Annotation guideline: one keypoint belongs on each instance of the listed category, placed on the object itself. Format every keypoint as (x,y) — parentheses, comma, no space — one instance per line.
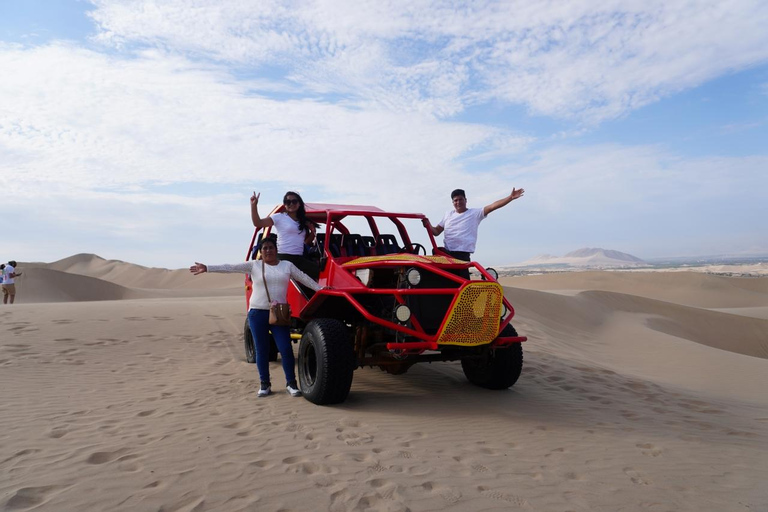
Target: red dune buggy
(392,305)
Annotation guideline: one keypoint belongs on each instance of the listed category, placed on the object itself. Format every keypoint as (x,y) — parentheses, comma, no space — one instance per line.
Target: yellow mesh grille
(474,319)
(445,260)
(404,257)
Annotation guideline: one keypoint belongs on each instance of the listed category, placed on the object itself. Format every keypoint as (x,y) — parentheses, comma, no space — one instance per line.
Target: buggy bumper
(503,342)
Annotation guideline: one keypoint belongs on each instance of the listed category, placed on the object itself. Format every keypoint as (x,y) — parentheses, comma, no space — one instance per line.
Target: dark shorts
(461,255)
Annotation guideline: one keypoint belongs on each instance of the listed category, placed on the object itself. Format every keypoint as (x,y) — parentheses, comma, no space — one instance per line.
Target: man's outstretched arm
(503,201)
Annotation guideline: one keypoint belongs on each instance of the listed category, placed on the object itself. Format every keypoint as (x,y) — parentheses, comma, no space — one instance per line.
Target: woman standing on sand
(277,274)
(294,229)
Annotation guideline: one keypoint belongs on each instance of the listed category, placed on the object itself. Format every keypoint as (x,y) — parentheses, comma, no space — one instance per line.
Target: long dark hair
(301,213)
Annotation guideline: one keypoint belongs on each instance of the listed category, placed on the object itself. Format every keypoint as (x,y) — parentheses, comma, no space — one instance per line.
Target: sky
(138,129)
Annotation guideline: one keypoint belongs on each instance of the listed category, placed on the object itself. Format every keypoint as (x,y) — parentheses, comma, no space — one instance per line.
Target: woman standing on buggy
(294,231)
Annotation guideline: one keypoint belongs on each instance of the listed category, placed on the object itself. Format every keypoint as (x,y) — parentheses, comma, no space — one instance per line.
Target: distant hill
(137,276)
(88,277)
(587,257)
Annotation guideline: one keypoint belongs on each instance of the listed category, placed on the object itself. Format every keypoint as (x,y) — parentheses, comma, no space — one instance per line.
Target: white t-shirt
(460,229)
(289,239)
(277,280)
(7,271)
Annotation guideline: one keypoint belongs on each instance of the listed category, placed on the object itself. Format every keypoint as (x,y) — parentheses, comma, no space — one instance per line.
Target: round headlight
(402,313)
(413,276)
(494,274)
(504,310)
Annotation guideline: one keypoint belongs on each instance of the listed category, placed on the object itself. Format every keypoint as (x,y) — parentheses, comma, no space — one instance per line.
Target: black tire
(499,369)
(250,349)
(326,362)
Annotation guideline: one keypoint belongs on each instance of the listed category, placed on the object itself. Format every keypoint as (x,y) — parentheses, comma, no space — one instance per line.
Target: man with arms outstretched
(460,224)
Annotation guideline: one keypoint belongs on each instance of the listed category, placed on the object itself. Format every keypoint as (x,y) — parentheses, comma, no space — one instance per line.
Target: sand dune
(688,288)
(87,277)
(46,285)
(590,310)
(136,276)
(633,397)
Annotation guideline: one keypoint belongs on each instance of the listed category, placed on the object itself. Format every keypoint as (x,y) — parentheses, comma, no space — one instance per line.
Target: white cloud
(73,117)
(567,59)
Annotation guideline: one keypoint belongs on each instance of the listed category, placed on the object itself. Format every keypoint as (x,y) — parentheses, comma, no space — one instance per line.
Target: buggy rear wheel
(326,362)
(499,368)
(250,348)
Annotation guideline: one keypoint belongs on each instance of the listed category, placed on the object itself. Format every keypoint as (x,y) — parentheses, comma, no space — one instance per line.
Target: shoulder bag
(279,312)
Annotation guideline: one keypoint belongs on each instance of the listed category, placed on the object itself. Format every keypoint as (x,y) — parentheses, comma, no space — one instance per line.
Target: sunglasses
(289,202)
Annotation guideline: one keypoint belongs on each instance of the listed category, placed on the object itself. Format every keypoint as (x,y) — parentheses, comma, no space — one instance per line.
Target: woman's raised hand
(255,198)
(198,268)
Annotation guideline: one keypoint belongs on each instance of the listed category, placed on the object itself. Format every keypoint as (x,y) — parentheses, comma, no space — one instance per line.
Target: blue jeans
(258,321)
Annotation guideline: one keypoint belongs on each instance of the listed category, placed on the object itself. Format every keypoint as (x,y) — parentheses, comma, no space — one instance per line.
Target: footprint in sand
(354,438)
(635,477)
(377,468)
(649,449)
(500,496)
(193,503)
(305,466)
(28,497)
(104,457)
(128,464)
(384,488)
(58,432)
(20,454)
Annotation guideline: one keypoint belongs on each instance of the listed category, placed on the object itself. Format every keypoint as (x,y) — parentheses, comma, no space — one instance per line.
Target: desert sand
(125,388)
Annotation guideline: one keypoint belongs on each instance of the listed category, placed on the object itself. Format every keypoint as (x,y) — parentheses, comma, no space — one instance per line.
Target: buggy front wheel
(499,368)
(326,362)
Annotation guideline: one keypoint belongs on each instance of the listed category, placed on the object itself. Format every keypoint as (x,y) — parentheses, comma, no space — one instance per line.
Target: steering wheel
(416,248)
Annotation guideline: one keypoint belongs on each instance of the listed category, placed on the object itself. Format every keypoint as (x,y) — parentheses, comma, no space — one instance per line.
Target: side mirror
(493,273)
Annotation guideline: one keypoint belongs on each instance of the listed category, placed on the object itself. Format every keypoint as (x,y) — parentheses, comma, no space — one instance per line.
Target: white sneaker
(294,391)
(264,390)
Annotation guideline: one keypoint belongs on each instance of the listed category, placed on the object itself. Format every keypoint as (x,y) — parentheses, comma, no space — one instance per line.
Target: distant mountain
(587,257)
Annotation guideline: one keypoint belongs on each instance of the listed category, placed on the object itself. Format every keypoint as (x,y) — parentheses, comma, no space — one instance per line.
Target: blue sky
(137,130)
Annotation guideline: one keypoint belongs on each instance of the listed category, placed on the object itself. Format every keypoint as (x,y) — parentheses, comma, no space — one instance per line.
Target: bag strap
(269,300)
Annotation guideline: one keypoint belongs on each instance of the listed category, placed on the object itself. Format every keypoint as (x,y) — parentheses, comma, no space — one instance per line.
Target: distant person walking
(274,274)
(460,224)
(293,228)
(9,282)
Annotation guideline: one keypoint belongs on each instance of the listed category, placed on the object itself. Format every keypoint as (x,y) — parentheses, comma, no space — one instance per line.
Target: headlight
(402,313)
(504,310)
(413,276)
(494,274)
(365,275)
